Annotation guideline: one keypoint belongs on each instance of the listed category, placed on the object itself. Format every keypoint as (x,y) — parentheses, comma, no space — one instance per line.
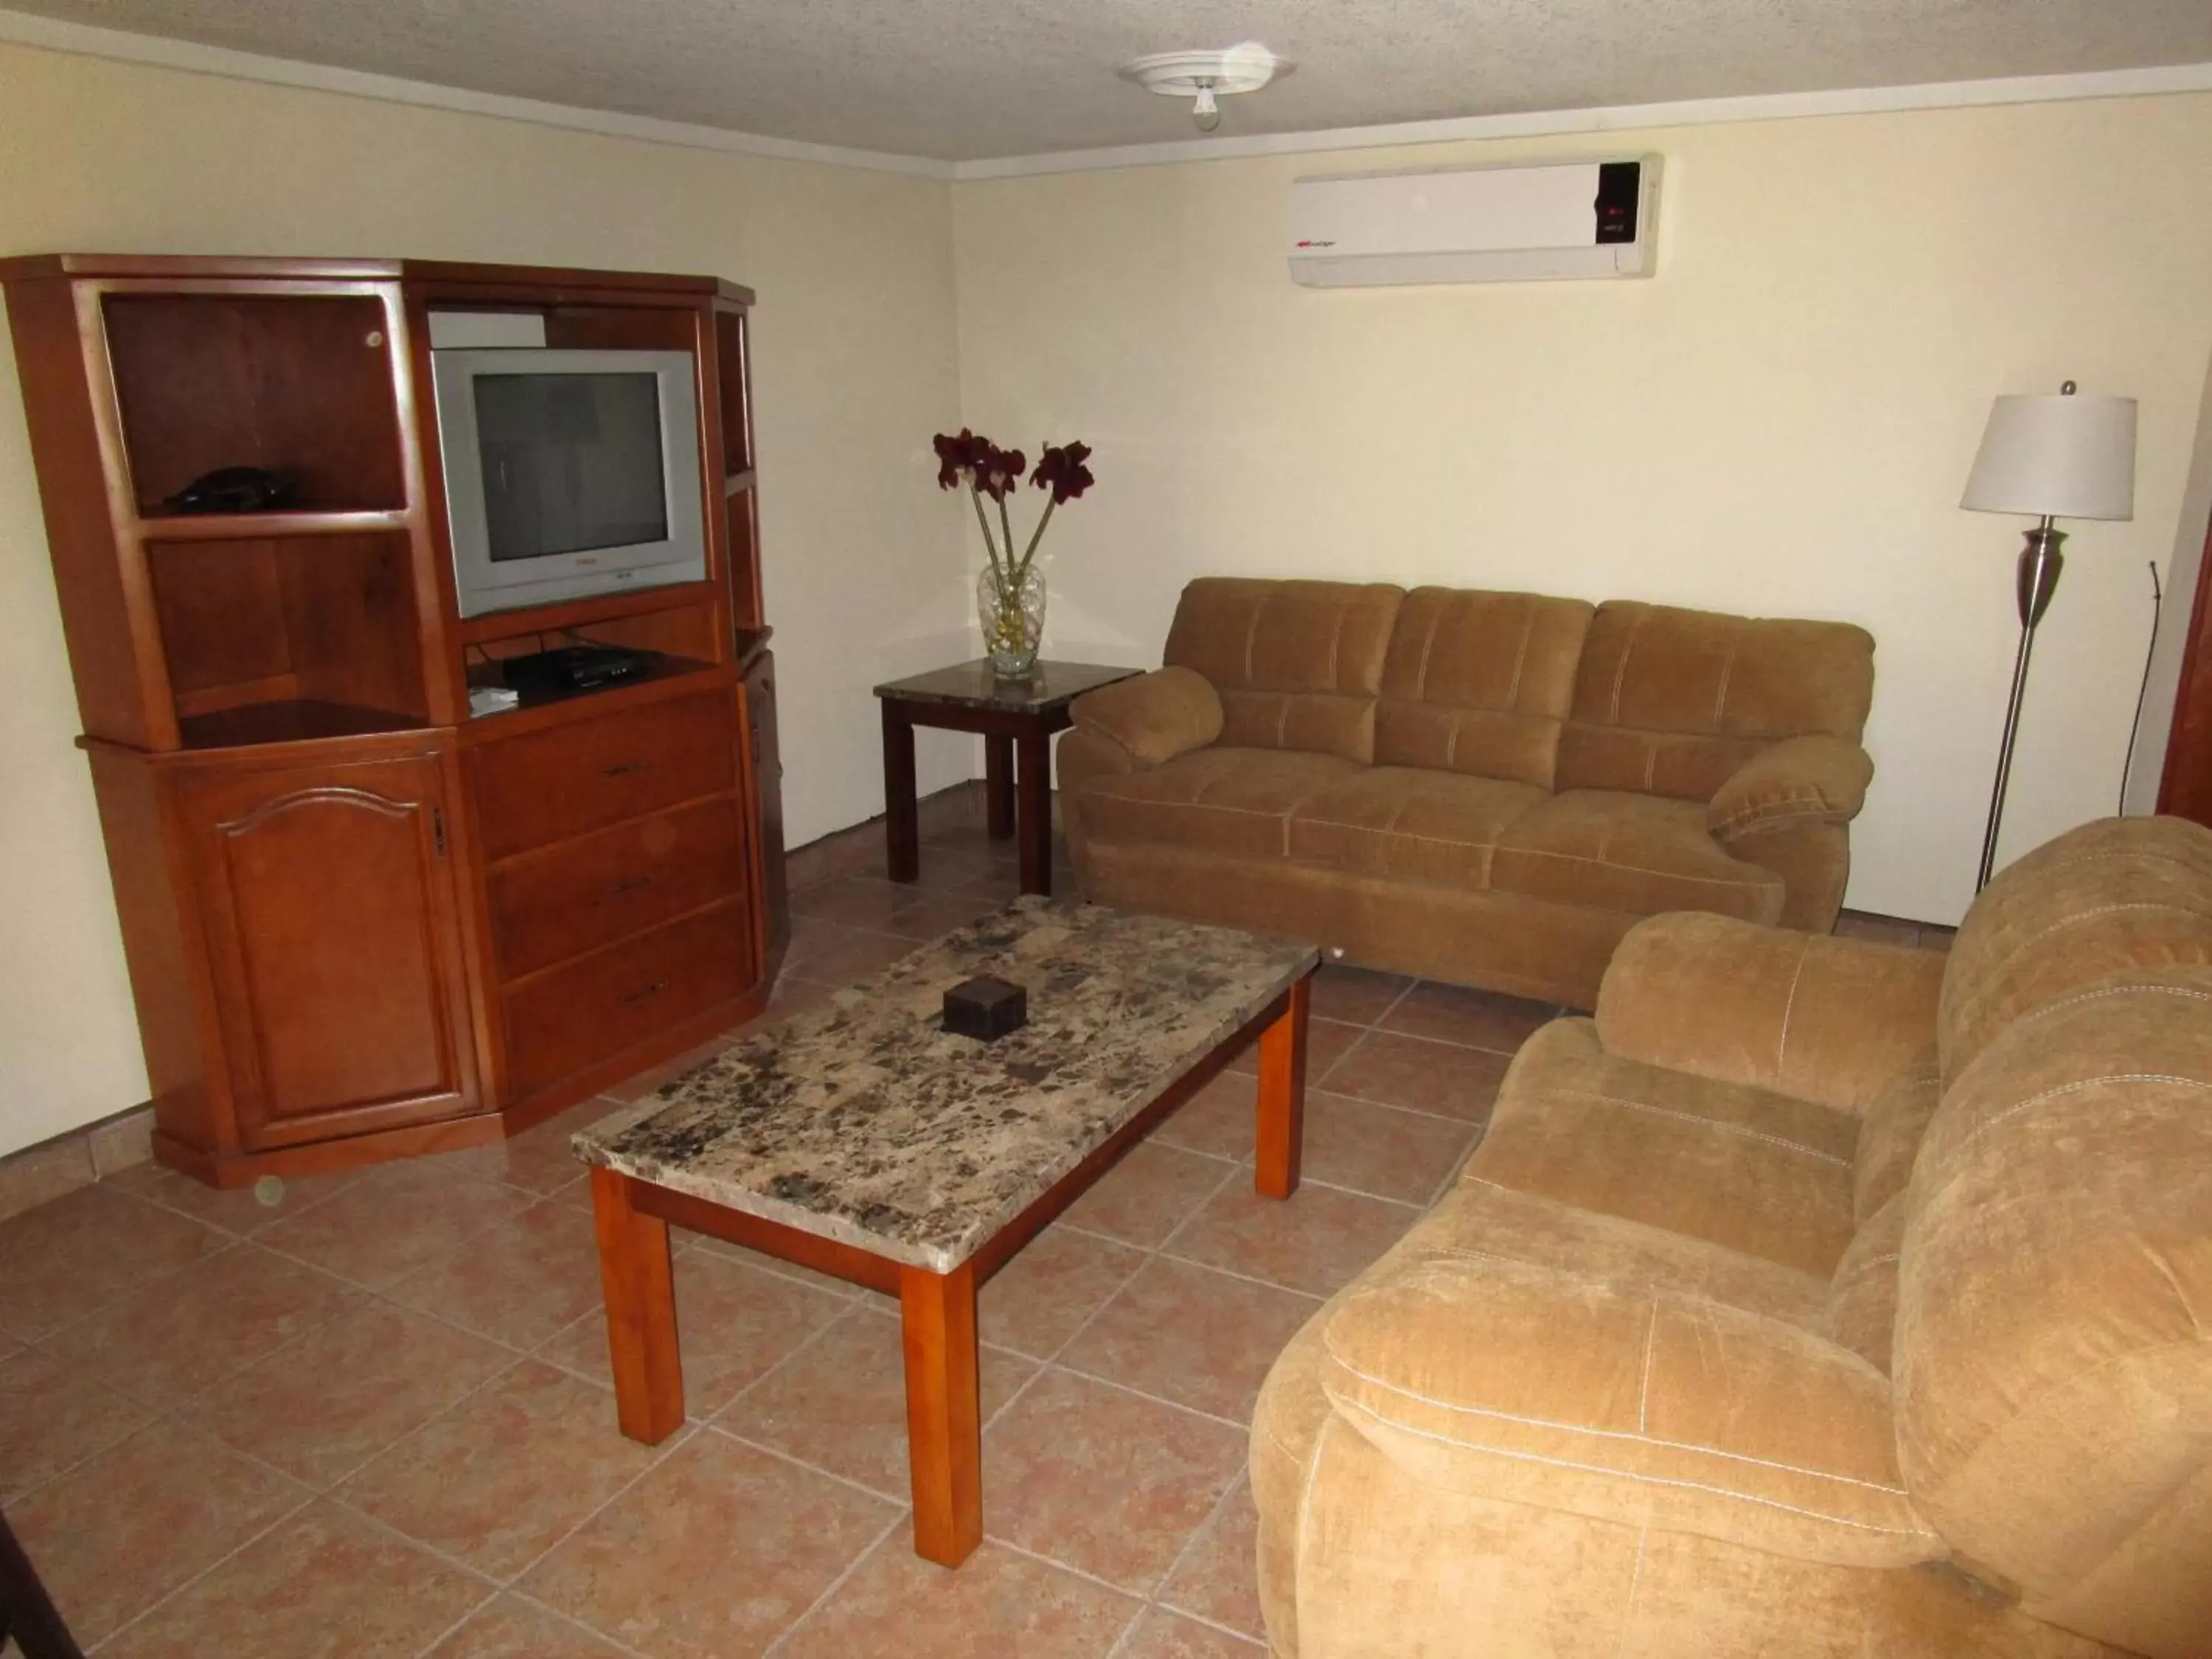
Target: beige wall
(854,366)
(1781,421)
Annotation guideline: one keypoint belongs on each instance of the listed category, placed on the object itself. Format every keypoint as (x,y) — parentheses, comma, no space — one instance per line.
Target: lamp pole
(2037,578)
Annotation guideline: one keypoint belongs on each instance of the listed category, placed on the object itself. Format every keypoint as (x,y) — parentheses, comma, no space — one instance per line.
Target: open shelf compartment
(297,383)
(314,623)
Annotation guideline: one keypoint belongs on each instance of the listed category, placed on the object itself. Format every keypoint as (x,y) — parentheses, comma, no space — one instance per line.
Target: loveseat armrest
(1527,1383)
(1798,781)
(1154,717)
(1819,1018)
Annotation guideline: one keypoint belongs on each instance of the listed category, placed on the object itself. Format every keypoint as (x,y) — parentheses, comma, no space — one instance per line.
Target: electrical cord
(2157,607)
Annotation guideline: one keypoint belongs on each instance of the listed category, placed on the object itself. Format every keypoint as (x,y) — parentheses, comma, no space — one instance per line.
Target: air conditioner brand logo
(1309,241)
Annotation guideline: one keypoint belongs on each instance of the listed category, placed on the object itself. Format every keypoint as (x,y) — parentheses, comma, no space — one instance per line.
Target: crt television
(569,473)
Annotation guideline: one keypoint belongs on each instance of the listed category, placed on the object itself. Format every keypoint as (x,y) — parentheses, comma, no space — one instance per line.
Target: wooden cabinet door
(331,917)
(764,762)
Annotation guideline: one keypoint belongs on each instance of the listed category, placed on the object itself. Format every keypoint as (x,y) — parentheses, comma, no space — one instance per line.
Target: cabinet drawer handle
(652,990)
(630,886)
(624,769)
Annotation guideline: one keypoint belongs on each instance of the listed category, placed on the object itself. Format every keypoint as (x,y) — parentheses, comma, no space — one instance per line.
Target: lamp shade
(2067,457)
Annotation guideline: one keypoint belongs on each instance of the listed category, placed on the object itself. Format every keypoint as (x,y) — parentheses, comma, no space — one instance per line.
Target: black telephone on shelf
(235,490)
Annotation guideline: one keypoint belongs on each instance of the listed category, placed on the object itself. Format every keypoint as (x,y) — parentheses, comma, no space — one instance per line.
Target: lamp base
(2035,580)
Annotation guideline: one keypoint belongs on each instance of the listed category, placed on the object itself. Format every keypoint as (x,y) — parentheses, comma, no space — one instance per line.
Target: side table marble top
(864,1121)
(974,685)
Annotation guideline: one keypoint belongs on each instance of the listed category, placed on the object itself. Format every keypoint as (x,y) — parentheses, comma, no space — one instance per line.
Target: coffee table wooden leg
(902,817)
(1282,1105)
(640,1293)
(944,1423)
(1033,818)
(999,786)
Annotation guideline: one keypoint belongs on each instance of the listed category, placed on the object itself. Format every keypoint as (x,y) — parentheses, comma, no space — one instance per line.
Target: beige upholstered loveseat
(1485,787)
(1817,1298)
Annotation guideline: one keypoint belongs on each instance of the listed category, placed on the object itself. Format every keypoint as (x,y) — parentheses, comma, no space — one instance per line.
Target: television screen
(571,463)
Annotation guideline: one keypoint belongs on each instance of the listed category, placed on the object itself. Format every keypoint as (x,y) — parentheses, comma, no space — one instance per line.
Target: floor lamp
(2066,457)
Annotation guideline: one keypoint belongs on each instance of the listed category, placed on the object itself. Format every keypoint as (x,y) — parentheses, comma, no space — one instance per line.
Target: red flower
(997,471)
(957,455)
(1060,469)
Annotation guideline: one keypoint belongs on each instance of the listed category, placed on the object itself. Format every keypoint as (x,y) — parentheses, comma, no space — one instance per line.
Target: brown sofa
(1818,1297)
(1485,787)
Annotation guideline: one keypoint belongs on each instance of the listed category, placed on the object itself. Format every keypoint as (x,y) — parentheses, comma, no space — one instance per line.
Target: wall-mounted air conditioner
(1517,222)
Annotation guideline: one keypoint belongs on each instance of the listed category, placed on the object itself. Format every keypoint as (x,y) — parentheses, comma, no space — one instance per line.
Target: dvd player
(575,667)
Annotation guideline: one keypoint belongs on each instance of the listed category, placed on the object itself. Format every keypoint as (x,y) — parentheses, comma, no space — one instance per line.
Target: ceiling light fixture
(1204,76)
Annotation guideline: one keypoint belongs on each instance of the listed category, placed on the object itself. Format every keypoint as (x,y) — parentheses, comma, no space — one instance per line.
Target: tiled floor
(369,1414)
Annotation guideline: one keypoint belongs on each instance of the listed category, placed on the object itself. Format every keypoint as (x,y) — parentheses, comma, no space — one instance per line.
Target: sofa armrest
(1825,1020)
(1512,1381)
(1156,716)
(1816,780)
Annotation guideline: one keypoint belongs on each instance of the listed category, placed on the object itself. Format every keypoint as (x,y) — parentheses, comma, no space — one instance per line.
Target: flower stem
(1029,553)
(1007,525)
(984,524)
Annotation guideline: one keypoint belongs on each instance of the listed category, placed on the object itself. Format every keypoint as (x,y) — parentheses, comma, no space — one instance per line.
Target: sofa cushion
(1573,1392)
(1890,1133)
(1480,1218)
(1216,801)
(1297,663)
(1671,701)
(2112,894)
(1863,1297)
(1479,682)
(1831,1020)
(1402,821)
(1736,1166)
(2054,1332)
(1639,853)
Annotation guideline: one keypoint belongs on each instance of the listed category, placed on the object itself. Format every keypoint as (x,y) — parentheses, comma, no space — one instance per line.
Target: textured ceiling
(962,80)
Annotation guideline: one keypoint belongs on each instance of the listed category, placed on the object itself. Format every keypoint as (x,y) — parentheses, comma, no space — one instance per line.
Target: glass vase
(1013,615)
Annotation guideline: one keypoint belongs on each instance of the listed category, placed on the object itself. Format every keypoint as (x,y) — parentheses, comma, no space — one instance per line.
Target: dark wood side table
(1015,717)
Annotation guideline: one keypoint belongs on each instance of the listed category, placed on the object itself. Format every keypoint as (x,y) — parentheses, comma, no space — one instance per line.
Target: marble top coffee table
(861,1138)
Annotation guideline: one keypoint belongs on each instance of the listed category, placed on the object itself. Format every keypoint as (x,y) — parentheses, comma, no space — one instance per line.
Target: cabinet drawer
(570,1017)
(561,900)
(567,780)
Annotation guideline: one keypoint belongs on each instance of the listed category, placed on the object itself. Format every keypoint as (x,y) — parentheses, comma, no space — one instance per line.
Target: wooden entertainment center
(360,923)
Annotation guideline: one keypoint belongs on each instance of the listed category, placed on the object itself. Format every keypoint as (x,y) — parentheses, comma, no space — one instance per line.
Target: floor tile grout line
(177,1408)
(1046,1366)
(1274,1284)
(445,1558)
(229,1241)
(1212,1515)
(902,1504)
(1163,1254)
(1390,1105)
(1067,1370)
(853,1306)
(1083,1573)
(160,1414)
(1245,1636)
(681,1435)
(538,1605)
(306,1499)
(836,1584)
(275,1212)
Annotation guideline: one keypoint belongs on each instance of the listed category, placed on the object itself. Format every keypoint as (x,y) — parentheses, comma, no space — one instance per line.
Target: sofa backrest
(2115,894)
(2053,1342)
(1670,701)
(1297,663)
(1479,682)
